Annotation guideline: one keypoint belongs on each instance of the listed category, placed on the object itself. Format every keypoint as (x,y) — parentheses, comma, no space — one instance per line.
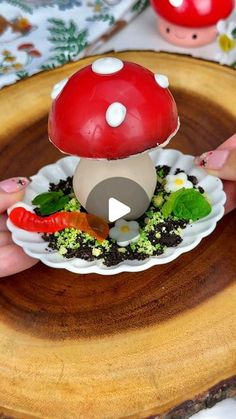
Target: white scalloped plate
(35,246)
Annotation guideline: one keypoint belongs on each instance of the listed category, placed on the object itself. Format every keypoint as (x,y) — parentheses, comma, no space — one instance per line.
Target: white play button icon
(117,209)
(117,197)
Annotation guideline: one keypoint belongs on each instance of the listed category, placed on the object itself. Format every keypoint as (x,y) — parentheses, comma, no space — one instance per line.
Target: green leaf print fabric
(37,35)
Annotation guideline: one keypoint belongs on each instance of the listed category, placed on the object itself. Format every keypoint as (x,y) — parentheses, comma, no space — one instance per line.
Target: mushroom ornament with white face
(191,23)
(110,114)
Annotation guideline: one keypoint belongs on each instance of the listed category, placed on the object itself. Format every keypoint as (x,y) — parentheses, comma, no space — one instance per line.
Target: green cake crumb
(72,205)
(158,200)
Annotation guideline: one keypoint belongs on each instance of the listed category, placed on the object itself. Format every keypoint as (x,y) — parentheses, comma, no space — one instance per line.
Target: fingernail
(213,160)
(14,184)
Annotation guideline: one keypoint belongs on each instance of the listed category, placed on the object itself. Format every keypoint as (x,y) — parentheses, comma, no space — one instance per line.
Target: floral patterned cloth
(37,35)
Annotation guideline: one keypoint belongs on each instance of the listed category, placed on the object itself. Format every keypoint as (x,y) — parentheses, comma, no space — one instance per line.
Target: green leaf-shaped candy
(169,204)
(54,206)
(186,204)
(45,197)
(191,205)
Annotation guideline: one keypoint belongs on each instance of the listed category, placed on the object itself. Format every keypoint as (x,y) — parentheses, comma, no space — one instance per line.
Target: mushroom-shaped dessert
(190,23)
(110,114)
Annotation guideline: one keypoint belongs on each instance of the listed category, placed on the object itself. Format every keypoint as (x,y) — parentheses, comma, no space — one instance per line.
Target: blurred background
(37,35)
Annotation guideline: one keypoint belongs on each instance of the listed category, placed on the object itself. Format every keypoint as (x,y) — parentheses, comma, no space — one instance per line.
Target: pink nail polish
(14,184)
(213,160)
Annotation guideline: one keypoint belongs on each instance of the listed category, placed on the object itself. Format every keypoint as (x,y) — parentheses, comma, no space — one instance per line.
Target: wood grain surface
(159,343)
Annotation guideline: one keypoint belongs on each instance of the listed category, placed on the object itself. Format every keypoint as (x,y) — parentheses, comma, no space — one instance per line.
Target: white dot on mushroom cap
(162,80)
(107,65)
(58,88)
(176,3)
(115,114)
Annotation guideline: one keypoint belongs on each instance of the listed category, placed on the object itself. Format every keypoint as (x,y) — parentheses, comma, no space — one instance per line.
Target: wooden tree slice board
(156,343)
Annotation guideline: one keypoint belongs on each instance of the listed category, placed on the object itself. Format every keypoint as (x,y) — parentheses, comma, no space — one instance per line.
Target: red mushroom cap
(193,13)
(112,109)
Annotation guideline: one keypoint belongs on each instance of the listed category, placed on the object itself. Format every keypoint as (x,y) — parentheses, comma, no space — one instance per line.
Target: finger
(3,221)
(229,144)
(230,190)
(220,163)
(12,191)
(5,238)
(14,260)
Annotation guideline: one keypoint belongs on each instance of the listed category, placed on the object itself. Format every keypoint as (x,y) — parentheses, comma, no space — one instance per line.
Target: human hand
(222,163)
(12,258)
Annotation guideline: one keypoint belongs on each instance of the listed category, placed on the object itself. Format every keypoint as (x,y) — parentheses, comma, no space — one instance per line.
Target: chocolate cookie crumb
(193,179)
(178,171)
(201,190)
(63,185)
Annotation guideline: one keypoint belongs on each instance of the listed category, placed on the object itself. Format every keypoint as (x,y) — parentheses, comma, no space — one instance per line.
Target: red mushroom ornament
(110,114)
(190,23)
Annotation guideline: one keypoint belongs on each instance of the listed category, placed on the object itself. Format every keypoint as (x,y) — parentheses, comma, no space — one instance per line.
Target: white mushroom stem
(89,173)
